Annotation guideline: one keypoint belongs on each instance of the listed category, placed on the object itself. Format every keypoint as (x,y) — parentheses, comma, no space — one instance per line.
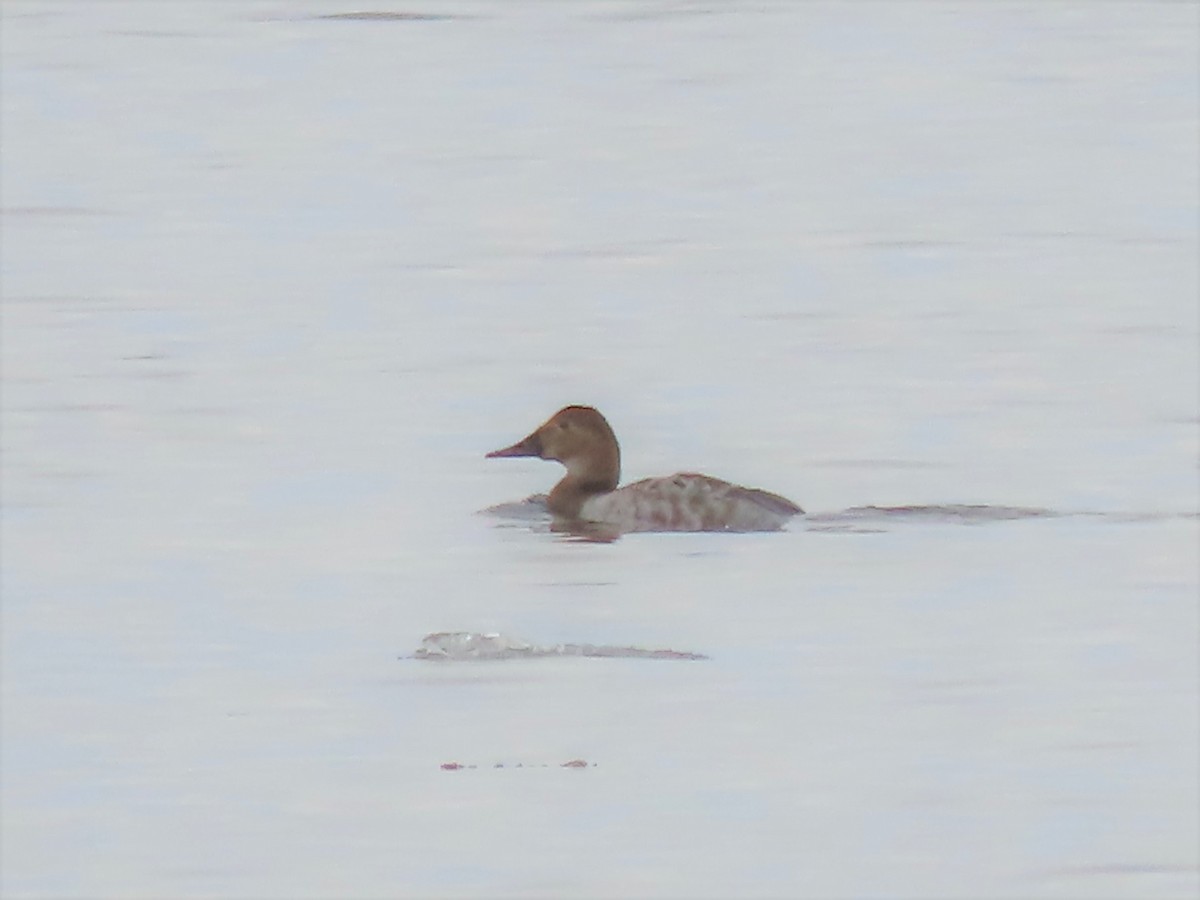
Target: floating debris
(470,645)
(569,764)
(387,17)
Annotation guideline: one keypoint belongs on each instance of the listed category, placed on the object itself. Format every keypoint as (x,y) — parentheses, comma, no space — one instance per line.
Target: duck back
(688,501)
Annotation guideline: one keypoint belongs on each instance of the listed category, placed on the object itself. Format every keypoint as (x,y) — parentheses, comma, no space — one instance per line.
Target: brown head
(582,440)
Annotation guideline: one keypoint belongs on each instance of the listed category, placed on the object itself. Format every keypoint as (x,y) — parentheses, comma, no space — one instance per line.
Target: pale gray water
(273,283)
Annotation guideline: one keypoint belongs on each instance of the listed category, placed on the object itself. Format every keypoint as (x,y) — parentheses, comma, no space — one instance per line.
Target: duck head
(582,440)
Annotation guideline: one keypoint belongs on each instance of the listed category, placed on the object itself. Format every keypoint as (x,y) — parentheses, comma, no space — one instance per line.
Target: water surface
(275,276)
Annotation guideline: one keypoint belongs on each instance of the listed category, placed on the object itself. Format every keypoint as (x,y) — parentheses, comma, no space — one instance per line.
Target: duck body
(581,439)
(688,501)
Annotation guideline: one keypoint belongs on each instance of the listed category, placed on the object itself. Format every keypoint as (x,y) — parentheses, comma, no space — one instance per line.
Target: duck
(581,439)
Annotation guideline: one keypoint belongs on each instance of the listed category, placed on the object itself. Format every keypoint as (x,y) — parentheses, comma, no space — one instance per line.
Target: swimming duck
(582,440)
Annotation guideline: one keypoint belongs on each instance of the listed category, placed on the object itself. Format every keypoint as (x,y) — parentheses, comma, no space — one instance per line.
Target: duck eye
(563,425)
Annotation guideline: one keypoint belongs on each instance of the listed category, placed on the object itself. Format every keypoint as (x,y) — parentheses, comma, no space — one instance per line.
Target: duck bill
(530,446)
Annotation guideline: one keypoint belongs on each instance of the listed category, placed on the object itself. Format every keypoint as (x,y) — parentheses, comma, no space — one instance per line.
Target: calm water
(273,283)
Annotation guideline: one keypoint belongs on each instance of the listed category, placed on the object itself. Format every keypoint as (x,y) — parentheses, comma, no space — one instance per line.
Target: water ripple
(469,645)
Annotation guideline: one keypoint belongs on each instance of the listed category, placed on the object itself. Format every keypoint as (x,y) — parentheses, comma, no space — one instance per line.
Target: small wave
(868,519)
(470,645)
(961,513)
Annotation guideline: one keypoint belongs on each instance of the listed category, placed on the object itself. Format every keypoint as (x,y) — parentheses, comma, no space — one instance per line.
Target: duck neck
(584,480)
